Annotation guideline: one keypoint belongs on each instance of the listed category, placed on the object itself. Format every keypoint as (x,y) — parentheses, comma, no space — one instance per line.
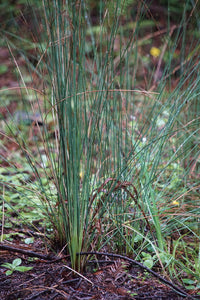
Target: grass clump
(114,154)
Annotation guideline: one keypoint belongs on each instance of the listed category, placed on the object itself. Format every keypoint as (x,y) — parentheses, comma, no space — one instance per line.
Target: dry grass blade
(79,274)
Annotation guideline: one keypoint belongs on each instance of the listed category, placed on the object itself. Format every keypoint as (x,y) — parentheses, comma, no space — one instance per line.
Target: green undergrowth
(103,150)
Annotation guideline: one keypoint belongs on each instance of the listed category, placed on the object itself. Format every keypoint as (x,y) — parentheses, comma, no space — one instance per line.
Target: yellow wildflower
(155,52)
(175,202)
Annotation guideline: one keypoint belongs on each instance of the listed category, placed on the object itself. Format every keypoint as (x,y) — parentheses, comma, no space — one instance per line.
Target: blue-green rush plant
(116,156)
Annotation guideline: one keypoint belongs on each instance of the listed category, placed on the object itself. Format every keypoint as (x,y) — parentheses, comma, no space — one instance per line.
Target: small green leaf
(148,263)
(29,240)
(188,281)
(23,268)
(146,255)
(9,272)
(164,258)
(7,265)
(16,262)
(190,287)
(138,238)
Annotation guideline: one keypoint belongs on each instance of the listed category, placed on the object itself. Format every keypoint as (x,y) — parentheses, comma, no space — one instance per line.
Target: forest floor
(103,278)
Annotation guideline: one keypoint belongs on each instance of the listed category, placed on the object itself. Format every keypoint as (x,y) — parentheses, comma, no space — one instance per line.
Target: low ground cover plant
(15,266)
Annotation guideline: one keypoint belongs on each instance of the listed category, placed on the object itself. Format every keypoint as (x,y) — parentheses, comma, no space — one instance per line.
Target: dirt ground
(55,281)
(104,277)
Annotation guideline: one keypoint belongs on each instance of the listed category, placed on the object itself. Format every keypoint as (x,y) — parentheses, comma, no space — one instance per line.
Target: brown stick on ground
(27,252)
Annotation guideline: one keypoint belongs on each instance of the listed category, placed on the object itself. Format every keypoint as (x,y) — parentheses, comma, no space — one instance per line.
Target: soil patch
(103,278)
